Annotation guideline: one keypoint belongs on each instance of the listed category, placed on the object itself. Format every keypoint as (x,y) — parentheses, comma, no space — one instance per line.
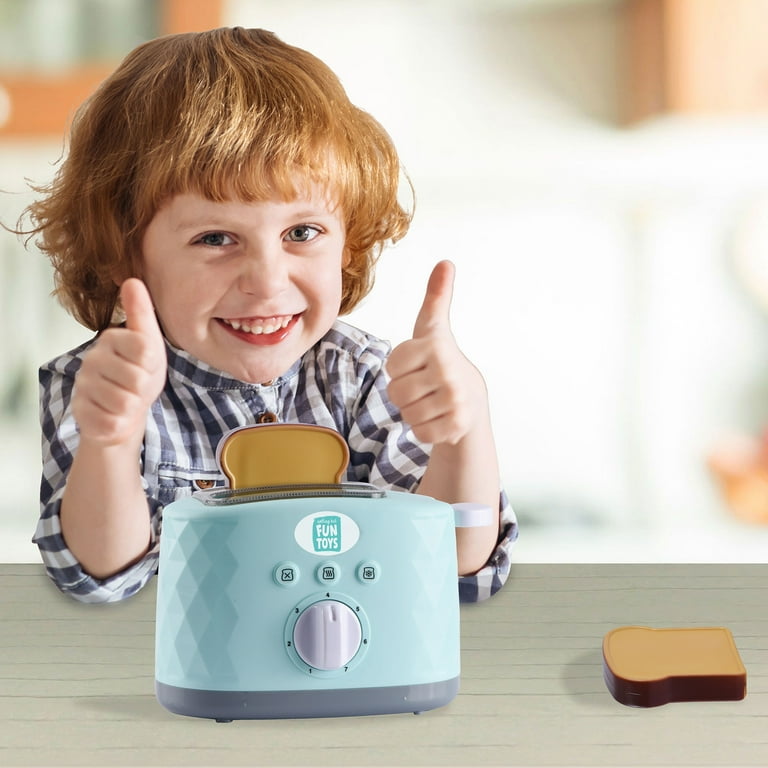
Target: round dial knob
(327,635)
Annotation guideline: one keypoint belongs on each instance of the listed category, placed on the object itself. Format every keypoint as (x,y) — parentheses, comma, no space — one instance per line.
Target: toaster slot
(227,496)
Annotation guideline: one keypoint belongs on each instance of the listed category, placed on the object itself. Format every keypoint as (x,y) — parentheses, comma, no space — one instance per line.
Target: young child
(221,204)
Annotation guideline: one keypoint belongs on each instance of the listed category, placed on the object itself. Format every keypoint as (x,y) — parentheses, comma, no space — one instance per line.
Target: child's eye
(215,239)
(302,234)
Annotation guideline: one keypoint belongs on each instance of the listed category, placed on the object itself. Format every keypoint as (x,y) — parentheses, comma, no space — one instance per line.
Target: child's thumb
(435,310)
(137,305)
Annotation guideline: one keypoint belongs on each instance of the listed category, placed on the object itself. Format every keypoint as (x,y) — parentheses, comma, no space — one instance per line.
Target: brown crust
(645,667)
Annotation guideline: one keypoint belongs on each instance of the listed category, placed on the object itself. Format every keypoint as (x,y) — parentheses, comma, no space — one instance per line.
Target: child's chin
(256,374)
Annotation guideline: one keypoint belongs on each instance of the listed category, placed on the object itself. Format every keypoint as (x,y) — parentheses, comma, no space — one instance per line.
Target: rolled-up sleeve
(493,575)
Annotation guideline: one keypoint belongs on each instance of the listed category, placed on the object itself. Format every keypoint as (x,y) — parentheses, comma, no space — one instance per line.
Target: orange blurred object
(35,105)
(740,467)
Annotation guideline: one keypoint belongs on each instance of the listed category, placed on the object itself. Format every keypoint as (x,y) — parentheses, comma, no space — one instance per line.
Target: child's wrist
(128,445)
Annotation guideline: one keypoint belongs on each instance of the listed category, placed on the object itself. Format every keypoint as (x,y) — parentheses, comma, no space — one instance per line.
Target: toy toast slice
(645,667)
(282,454)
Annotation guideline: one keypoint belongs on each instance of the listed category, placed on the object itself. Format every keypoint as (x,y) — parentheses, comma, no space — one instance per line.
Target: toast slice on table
(646,667)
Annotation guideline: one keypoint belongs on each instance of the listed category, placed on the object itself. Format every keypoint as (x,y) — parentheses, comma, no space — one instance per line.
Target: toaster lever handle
(467,515)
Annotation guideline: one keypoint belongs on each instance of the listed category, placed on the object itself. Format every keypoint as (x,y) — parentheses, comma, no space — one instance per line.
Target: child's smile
(262,331)
(246,287)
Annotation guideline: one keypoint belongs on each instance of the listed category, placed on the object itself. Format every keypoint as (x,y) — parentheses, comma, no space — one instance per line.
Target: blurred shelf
(696,56)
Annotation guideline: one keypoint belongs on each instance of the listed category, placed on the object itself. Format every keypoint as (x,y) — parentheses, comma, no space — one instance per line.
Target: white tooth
(271,325)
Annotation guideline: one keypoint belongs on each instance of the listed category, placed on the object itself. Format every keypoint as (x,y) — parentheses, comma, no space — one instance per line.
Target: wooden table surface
(76,682)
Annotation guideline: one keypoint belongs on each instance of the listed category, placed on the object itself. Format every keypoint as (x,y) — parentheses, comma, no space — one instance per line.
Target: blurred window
(53,53)
(46,36)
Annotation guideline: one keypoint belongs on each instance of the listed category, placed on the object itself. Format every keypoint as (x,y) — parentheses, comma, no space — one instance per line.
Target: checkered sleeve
(59,443)
(379,439)
(383,442)
(493,575)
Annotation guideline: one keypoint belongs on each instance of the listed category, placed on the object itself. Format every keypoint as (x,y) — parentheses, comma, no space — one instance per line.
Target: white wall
(594,284)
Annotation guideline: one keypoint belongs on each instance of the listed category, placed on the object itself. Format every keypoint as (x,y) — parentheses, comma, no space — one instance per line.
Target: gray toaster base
(269,705)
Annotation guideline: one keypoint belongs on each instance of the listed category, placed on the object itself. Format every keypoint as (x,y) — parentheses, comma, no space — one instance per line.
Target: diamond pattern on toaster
(200,614)
(428,595)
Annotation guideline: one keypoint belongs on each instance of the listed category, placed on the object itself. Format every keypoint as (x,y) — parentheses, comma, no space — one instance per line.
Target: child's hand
(438,391)
(122,374)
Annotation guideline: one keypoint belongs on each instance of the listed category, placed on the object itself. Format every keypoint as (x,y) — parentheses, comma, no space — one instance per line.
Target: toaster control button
(286,574)
(368,572)
(328,573)
(327,635)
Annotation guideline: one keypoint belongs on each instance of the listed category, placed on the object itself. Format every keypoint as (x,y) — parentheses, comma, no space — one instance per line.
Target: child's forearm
(104,510)
(467,472)
(444,399)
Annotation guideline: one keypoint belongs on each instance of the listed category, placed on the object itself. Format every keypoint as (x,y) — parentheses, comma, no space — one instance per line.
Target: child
(221,204)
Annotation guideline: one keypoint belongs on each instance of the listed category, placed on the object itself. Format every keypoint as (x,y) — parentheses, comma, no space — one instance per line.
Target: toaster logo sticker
(326,533)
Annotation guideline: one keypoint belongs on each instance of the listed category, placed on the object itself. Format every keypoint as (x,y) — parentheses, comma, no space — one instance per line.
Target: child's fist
(438,391)
(122,374)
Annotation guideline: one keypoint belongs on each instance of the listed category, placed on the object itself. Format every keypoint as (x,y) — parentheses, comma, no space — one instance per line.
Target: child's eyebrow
(312,213)
(216,222)
(201,223)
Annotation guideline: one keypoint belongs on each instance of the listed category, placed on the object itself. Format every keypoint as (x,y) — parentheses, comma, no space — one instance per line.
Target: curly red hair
(226,113)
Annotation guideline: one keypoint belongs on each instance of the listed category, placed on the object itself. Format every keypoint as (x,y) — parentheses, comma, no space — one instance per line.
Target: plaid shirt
(340,383)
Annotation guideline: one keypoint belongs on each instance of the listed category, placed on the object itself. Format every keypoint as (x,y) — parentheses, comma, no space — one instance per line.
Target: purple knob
(327,635)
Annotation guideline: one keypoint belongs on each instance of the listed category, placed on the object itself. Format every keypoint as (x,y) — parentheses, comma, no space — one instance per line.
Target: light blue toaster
(309,600)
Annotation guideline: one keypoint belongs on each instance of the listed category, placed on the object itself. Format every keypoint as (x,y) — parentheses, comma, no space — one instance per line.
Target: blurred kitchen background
(598,171)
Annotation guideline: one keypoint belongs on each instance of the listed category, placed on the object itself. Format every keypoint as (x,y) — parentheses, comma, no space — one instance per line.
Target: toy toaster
(293,594)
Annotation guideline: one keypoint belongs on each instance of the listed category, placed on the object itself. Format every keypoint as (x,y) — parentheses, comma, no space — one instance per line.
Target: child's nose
(264,273)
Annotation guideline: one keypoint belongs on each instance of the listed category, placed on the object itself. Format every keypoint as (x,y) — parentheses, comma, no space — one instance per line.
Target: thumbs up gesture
(438,391)
(122,374)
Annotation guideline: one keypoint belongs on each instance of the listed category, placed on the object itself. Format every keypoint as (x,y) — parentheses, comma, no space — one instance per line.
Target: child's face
(245,287)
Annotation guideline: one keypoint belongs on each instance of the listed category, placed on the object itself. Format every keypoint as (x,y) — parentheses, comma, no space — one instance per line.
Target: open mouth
(261,330)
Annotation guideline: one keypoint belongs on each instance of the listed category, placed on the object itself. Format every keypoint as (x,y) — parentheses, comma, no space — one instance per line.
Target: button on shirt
(339,383)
